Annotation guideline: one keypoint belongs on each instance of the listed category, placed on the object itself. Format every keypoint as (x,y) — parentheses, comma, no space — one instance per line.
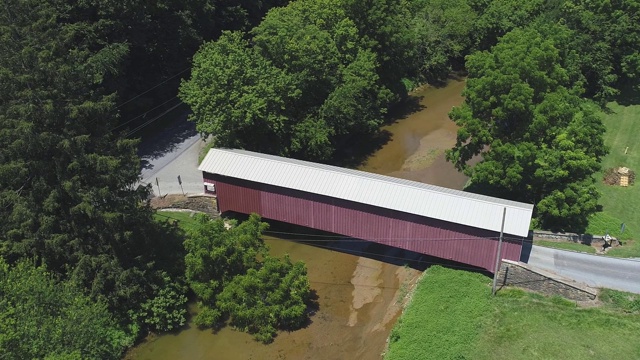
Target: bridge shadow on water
(358,247)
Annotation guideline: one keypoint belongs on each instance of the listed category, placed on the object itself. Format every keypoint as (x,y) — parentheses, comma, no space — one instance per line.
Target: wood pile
(621,176)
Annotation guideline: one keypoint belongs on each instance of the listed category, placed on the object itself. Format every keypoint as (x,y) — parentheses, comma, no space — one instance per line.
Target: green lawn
(453,316)
(620,204)
(566,246)
(185,219)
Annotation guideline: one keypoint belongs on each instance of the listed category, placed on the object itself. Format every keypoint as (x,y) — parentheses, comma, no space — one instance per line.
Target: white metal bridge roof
(412,197)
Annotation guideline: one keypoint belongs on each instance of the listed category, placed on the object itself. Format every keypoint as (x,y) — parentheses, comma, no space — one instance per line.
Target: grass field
(620,204)
(453,316)
(184,219)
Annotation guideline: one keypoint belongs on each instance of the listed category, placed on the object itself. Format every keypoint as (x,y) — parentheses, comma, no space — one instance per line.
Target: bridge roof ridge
(435,201)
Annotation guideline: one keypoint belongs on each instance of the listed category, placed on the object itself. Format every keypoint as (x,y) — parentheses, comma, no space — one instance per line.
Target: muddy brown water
(359,298)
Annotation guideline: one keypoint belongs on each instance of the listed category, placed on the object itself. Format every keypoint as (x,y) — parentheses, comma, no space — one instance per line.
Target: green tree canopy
(269,298)
(44,318)
(539,142)
(230,271)
(607,37)
(443,33)
(215,255)
(309,81)
(238,95)
(68,194)
(384,27)
(497,17)
(161,38)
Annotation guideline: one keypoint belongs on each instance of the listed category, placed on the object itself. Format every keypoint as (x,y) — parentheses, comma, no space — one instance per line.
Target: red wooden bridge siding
(407,231)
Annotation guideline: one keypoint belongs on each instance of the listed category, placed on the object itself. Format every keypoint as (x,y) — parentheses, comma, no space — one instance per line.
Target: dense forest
(306,79)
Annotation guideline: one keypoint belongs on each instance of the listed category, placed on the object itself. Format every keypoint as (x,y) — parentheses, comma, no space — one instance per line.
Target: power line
(342,238)
(152,120)
(387,240)
(142,93)
(143,114)
(346,238)
(372,254)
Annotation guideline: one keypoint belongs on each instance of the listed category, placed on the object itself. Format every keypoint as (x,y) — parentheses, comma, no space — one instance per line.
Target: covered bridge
(427,219)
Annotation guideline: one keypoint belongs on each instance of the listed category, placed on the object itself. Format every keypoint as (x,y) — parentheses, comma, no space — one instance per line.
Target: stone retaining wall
(520,275)
(201,203)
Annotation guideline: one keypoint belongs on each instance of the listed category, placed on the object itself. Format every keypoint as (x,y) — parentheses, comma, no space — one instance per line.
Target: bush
(275,296)
(166,311)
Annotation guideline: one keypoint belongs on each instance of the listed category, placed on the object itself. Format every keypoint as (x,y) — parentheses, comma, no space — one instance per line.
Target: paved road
(593,270)
(172,153)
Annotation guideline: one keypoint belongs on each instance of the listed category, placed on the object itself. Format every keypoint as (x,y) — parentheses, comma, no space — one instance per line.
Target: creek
(359,297)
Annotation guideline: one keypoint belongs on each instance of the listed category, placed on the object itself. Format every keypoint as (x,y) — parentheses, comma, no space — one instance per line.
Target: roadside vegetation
(566,246)
(452,315)
(252,291)
(183,219)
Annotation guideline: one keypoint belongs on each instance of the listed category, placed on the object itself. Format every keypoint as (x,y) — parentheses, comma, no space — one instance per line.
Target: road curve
(170,153)
(593,270)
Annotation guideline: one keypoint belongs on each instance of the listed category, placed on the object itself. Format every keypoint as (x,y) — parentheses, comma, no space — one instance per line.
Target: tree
(233,277)
(239,96)
(607,36)
(161,38)
(305,85)
(384,27)
(68,193)
(44,318)
(216,255)
(498,17)
(539,141)
(272,297)
(443,32)
(166,310)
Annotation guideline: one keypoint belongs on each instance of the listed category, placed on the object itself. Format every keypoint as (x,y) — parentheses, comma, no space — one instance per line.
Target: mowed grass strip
(566,246)
(452,316)
(620,204)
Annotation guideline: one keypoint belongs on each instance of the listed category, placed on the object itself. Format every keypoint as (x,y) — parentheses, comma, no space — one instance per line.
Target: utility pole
(499,253)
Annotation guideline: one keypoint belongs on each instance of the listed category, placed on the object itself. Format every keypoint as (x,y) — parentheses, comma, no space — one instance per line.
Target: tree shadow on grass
(629,94)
